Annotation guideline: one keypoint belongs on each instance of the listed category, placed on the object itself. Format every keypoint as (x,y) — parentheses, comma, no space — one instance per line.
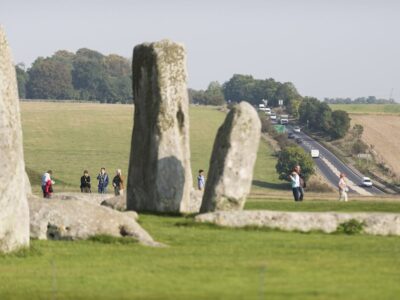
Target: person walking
(103,181)
(85,182)
(47,184)
(201,181)
(295,182)
(303,184)
(343,188)
(118,183)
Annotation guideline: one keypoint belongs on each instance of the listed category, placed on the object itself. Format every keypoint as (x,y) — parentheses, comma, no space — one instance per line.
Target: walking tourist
(47,184)
(201,181)
(103,181)
(85,182)
(343,188)
(295,182)
(118,183)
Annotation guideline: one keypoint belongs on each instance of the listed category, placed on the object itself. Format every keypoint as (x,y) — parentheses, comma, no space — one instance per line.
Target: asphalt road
(330,165)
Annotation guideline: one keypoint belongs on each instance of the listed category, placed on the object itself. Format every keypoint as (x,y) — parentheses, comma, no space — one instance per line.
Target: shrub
(291,156)
(359,147)
(352,226)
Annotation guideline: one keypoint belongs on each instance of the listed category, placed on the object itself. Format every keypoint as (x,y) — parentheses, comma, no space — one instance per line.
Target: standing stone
(232,161)
(160,178)
(14,211)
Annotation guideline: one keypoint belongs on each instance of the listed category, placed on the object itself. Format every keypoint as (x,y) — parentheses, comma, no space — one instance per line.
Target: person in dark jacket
(103,181)
(85,182)
(118,184)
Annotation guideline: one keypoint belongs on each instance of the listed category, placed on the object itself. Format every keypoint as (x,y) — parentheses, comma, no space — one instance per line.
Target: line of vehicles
(283,119)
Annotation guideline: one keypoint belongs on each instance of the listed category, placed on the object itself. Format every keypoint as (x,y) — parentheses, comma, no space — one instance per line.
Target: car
(314,153)
(290,135)
(273,116)
(296,129)
(267,111)
(366,182)
(299,140)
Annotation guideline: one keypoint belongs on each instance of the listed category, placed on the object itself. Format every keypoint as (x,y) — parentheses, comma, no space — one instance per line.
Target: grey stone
(117,203)
(28,187)
(73,219)
(234,155)
(14,212)
(160,178)
(93,198)
(328,222)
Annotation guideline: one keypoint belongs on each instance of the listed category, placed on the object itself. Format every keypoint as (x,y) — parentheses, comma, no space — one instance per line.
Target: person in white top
(343,189)
(295,181)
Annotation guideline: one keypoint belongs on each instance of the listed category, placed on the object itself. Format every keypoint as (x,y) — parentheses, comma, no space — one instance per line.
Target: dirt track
(382,131)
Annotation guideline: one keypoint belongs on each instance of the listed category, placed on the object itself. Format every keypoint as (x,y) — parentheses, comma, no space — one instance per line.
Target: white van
(314,153)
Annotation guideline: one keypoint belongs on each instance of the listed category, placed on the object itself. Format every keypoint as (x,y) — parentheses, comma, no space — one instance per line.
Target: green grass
(71,137)
(320,206)
(205,262)
(200,262)
(368,108)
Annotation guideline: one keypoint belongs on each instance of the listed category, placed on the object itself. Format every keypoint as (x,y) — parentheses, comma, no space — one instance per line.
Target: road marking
(350,183)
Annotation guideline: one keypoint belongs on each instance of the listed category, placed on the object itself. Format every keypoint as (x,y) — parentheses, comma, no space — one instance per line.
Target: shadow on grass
(269,185)
(108,239)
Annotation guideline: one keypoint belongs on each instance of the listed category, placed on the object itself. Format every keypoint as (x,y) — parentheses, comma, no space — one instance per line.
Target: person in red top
(47,184)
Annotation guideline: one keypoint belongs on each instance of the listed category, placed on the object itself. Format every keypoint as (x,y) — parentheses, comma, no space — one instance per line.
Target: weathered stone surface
(14,212)
(76,219)
(28,187)
(160,178)
(232,161)
(93,198)
(117,203)
(374,223)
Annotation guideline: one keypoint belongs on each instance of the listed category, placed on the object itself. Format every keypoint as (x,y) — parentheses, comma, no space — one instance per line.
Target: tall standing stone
(14,211)
(232,160)
(160,178)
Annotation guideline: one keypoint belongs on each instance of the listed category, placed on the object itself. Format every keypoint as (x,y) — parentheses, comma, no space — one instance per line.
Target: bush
(351,227)
(359,147)
(291,156)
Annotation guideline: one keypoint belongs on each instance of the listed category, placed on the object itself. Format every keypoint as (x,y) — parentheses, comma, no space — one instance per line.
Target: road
(330,167)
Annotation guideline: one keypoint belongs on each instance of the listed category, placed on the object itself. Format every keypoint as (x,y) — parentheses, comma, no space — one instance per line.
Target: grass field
(71,137)
(383,132)
(207,262)
(201,261)
(368,108)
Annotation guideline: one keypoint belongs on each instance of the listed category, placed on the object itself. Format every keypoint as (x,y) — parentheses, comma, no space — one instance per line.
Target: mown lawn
(71,137)
(368,108)
(201,261)
(207,262)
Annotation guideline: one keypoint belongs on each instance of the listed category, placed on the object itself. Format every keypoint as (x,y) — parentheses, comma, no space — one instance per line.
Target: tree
(49,79)
(340,123)
(22,79)
(291,156)
(214,94)
(357,131)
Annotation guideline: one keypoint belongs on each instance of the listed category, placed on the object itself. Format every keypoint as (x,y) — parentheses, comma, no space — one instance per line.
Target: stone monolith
(232,161)
(160,178)
(14,211)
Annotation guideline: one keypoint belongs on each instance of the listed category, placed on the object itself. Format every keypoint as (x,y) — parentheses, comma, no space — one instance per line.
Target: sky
(341,48)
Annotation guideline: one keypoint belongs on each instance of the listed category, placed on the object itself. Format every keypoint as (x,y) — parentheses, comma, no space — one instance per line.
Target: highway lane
(330,166)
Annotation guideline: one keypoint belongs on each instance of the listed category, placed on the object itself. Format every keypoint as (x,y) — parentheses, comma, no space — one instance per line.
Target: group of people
(299,184)
(86,186)
(103,181)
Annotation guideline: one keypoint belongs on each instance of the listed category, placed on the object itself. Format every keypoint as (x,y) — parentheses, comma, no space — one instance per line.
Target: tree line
(84,75)
(359,100)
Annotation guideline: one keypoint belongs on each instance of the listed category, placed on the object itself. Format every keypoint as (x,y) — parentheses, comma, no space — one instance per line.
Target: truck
(284,119)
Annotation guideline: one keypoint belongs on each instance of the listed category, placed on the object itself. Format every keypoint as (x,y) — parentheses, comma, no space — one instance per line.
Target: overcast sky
(342,48)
